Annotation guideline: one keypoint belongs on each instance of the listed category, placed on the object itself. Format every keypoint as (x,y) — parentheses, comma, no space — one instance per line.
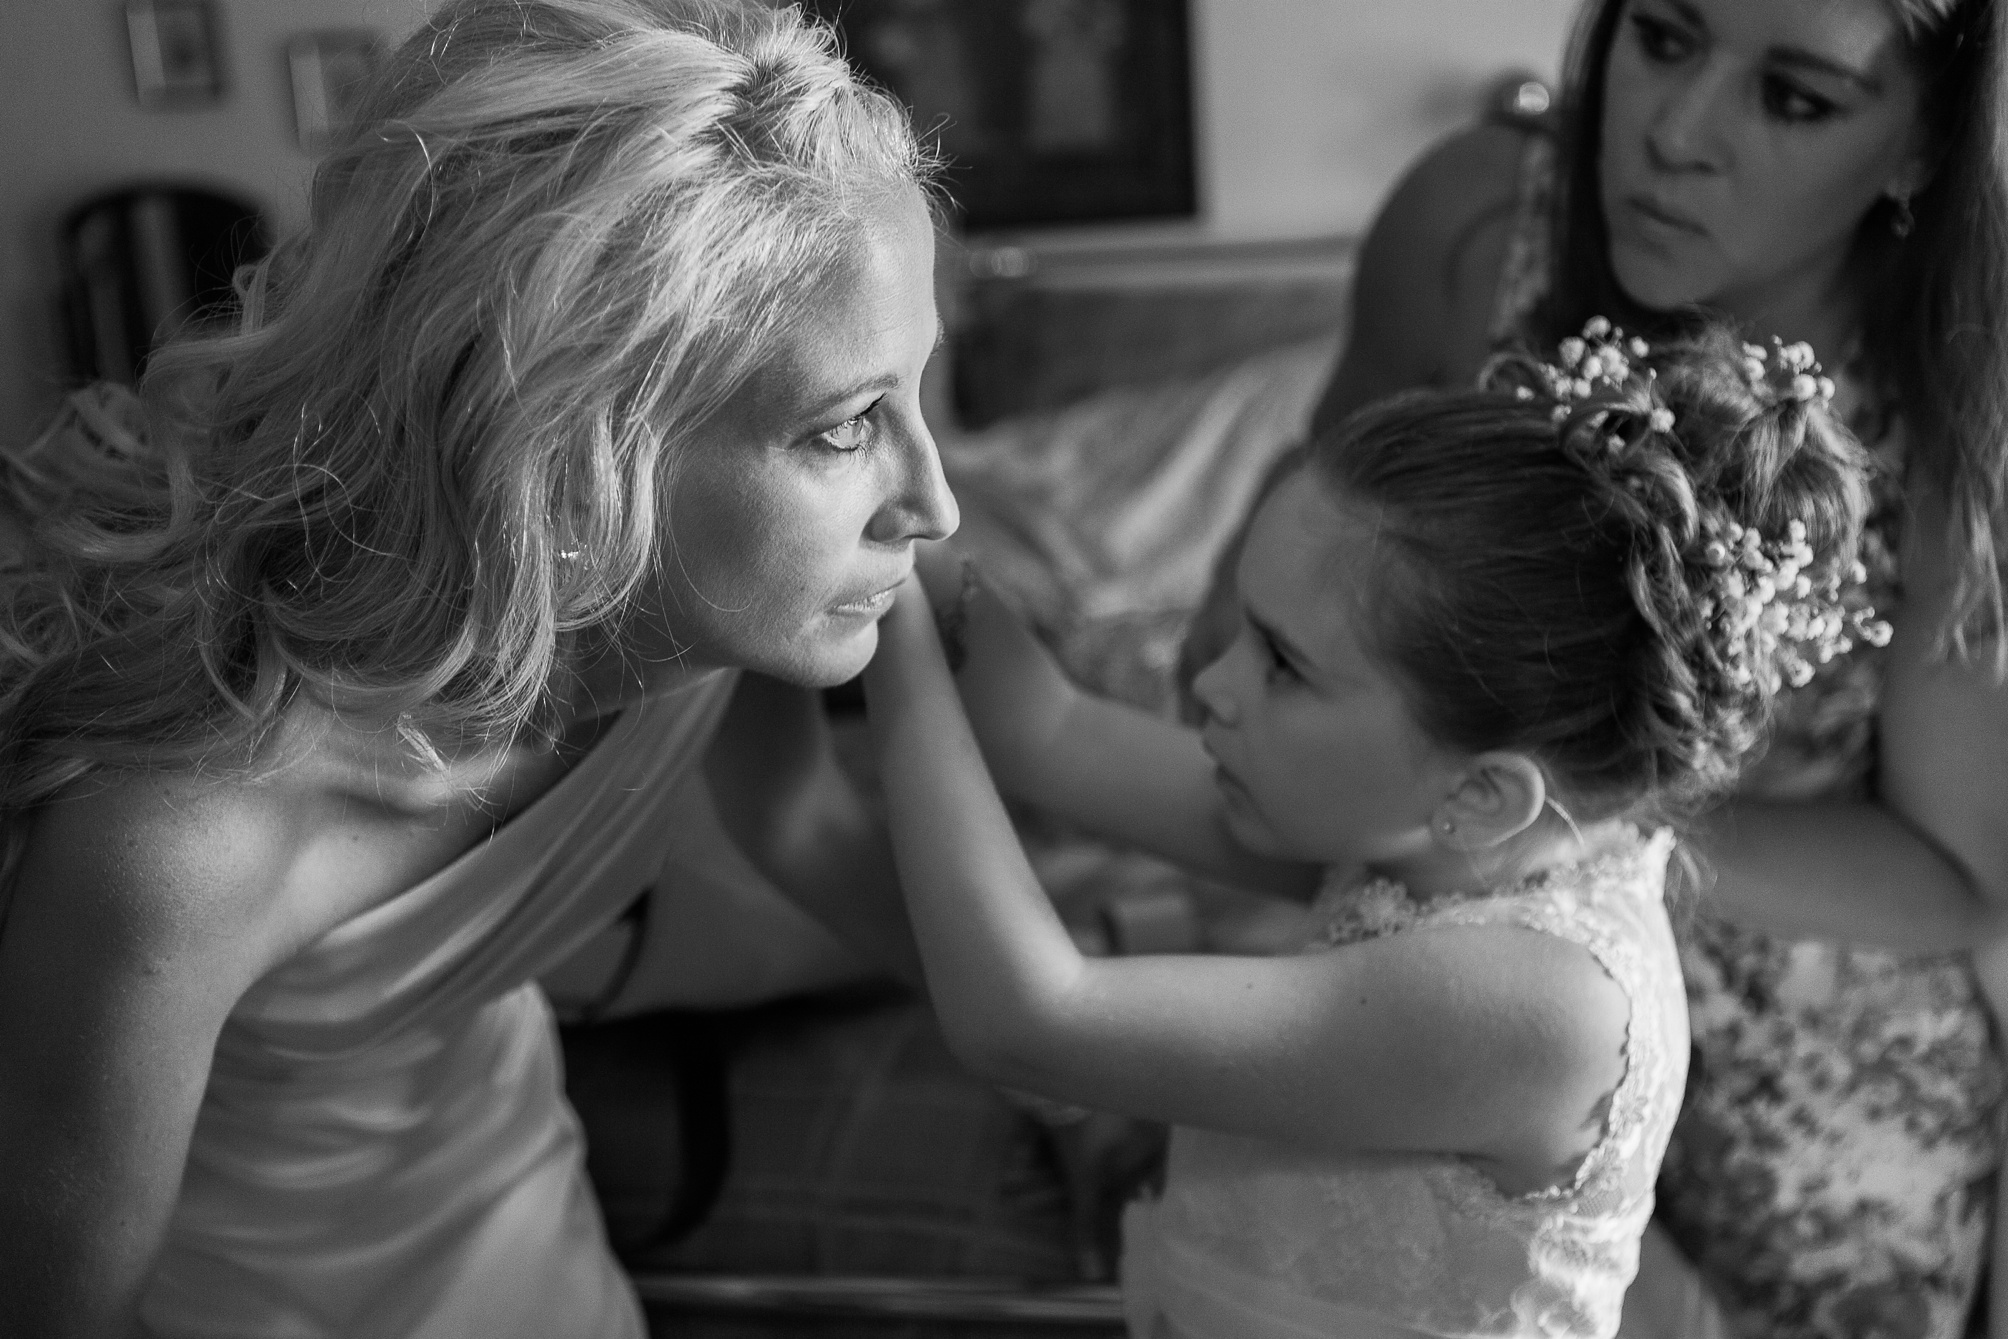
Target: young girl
(1490,639)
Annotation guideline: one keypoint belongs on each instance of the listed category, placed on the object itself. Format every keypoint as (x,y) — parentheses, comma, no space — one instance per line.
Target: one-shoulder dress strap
(1524,277)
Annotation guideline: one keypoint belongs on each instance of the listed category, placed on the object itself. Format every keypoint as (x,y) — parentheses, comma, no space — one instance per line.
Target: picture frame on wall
(176,58)
(1046,111)
(330,71)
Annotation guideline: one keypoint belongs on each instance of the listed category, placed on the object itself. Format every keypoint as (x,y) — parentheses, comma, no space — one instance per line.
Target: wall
(70,127)
(1307,109)
(1310,108)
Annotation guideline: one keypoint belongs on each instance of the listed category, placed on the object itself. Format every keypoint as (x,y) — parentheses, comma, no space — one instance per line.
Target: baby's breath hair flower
(1773,613)
(1773,617)
(1595,370)
(1786,372)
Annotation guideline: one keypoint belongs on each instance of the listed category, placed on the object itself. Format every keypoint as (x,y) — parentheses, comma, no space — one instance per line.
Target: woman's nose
(922,507)
(1683,132)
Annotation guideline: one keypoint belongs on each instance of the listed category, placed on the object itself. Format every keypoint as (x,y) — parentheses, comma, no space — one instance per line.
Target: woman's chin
(824,658)
(1654,284)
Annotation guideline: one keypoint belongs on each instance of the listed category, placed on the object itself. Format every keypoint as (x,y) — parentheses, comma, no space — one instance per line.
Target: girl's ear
(1497,797)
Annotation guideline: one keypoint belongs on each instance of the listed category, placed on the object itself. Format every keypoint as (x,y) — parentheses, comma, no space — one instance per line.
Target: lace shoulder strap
(1613,907)
(1523,278)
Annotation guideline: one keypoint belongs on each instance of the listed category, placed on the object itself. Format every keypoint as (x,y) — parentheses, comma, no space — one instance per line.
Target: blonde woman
(349,673)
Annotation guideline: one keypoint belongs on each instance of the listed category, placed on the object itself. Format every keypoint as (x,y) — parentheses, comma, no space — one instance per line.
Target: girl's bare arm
(1363,1048)
(1121,773)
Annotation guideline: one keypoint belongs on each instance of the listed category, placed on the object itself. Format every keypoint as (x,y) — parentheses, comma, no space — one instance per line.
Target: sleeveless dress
(1253,1239)
(1832,1170)
(384,1150)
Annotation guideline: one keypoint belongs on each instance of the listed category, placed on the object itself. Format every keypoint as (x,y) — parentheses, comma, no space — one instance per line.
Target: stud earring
(1445,826)
(1902,220)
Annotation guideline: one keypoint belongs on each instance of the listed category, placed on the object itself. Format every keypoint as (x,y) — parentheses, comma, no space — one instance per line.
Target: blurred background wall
(1305,110)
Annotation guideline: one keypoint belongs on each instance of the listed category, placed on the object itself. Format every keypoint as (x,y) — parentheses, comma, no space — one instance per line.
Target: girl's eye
(1661,42)
(1787,101)
(852,434)
(1275,664)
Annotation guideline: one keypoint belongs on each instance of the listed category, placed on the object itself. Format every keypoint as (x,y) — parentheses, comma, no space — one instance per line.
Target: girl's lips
(1229,784)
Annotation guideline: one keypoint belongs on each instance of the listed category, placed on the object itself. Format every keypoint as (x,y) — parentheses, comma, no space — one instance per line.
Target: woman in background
(351,674)
(1831,172)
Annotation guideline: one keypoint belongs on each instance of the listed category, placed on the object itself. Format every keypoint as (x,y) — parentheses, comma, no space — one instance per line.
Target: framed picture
(331,71)
(175,57)
(1047,111)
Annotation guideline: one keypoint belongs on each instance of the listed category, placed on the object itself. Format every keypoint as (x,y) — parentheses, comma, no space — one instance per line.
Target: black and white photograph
(1004,669)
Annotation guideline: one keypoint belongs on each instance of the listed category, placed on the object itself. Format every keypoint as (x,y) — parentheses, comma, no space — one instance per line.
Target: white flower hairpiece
(1794,373)
(1774,618)
(1600,360)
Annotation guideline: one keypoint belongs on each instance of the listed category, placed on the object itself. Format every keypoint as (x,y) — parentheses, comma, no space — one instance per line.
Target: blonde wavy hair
(435,447)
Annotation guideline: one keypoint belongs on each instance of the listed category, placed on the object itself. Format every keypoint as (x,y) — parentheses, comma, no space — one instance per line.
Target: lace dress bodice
(1253,1239)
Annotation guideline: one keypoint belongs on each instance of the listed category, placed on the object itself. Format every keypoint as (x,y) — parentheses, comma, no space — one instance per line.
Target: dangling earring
(1902,220)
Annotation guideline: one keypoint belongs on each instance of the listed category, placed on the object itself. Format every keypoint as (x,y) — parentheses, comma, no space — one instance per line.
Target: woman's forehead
(855,335)
(1860,36)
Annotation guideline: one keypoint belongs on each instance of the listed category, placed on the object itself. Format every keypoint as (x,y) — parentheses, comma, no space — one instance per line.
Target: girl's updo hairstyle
(1552,570)
(436,445)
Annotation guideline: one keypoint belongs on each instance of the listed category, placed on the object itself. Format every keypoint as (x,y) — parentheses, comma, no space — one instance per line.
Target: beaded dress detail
(1253,1239)
(1832,1169)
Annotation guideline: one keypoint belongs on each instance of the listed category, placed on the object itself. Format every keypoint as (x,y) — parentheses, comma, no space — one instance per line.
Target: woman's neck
(1817,303)
(607,674)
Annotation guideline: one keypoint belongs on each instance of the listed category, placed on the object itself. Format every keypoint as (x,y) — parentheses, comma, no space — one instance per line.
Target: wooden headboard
(1035,329)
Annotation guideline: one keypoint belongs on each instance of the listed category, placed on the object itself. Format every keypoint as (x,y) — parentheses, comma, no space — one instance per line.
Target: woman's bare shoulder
(157,861)
(333,822)
(1462,178)
(1429,269)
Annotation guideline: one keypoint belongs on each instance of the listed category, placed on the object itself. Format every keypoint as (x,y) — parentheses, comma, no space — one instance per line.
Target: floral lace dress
(1253,1239)
(1832,1170)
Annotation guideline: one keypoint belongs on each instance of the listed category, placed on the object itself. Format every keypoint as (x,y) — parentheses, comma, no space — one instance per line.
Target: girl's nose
(1210,690)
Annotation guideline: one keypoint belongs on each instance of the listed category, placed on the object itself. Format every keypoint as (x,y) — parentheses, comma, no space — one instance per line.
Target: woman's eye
(1660,42)
(1787,101)
(850,435)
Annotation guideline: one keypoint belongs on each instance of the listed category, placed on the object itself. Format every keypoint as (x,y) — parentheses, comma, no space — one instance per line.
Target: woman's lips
(1649,210)
(868,606)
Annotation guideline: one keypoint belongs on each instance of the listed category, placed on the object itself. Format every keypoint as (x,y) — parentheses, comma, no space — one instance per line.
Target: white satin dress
(384,1150)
